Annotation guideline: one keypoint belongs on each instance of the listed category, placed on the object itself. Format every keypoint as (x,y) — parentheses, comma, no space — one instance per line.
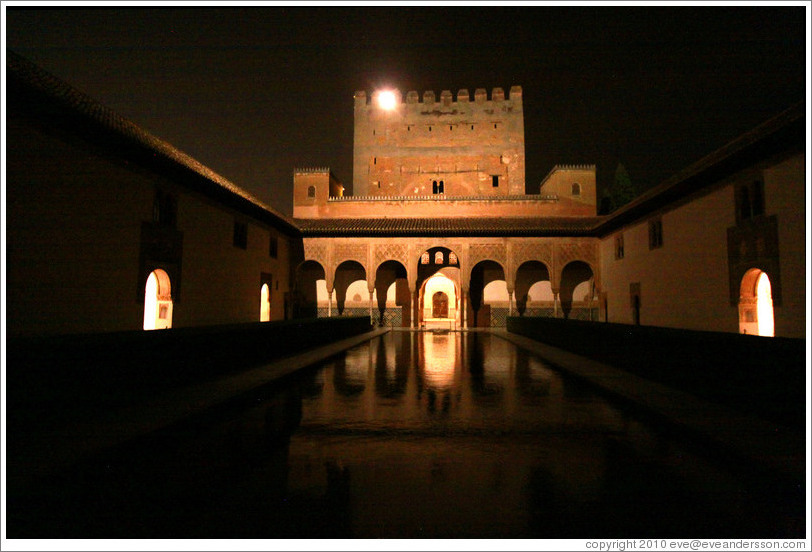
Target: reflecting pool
(414,434)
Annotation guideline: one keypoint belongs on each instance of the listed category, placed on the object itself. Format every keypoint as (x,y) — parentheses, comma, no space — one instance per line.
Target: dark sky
(254,92)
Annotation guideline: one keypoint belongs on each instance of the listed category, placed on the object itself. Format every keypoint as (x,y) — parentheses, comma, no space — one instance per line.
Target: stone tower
(467,147)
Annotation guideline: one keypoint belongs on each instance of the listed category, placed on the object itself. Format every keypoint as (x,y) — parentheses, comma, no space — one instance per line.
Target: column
(329,303)
(370,307)
(555,303)
(511,295)
(415,307)
(464,309)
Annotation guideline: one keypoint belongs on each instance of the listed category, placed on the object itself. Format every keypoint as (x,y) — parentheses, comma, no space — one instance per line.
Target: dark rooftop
(469,226)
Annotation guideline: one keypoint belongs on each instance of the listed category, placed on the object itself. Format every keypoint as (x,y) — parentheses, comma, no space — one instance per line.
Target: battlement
(311,170)
(362,99)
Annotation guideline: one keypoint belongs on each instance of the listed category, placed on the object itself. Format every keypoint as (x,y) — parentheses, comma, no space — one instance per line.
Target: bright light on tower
(387,100)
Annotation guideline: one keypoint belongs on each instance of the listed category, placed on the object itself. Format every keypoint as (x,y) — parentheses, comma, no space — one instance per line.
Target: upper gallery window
(655,233)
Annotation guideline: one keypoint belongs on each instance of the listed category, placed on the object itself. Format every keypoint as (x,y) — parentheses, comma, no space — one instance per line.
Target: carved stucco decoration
(316,252)
(391,252)
(487,252)
(524,251)
(565,253)
(350,252)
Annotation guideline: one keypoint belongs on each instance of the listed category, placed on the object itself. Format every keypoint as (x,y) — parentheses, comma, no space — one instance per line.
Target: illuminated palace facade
(442,234)
(110,228)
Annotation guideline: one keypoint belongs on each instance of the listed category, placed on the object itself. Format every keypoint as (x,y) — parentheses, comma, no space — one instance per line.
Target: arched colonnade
(473,274)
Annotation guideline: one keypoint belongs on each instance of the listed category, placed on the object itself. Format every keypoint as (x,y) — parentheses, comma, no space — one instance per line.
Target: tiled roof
(468,226)
(76,103)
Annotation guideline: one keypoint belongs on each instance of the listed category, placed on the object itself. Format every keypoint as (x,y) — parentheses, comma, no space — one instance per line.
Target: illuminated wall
(474,146)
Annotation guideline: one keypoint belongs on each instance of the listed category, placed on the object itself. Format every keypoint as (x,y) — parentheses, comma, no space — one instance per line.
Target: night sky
(254,92)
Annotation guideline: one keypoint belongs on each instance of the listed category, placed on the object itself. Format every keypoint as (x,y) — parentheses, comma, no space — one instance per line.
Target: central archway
(439,305)
(437,296)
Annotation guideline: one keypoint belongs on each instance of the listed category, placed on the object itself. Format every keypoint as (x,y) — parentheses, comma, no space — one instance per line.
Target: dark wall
(764,376)
(97,372)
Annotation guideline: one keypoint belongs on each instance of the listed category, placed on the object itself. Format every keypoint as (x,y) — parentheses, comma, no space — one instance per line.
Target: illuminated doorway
(756,304)
(439,305)
(265,304)
(439,302)
(158,301)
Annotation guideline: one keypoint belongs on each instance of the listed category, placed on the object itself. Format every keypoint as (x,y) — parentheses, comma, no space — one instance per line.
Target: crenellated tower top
(446,98)
(458,145)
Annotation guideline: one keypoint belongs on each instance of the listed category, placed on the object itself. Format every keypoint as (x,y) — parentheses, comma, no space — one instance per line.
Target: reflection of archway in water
(439,359)
(756,304)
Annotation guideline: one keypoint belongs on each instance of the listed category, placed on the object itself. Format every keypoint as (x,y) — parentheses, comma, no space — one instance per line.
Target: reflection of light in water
(439,357)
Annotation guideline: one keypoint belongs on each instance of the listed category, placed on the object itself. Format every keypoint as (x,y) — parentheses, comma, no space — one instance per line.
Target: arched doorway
(265,303)
(756,304)
(158,301)
(438,270)
(439,305)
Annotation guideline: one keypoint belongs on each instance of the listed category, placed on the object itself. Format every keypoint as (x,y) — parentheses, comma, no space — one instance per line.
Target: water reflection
(414,434)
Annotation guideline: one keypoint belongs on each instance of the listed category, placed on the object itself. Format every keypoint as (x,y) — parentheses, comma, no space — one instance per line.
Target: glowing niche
(158,301)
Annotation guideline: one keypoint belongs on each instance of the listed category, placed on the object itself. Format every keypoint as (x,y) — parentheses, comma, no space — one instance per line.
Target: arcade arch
(491,308)
(756,315)
(346,274)
(310,285)
(533,298)
(158,301)
(577,290)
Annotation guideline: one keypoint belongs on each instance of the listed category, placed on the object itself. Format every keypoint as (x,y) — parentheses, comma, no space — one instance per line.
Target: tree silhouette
(619,193)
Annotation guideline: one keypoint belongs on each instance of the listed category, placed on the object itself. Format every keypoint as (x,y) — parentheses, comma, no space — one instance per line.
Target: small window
(619,253)
(441,187)
(164,209)
(495,181)
(450,127)
(240,235)
(744,204)
(576,189)
(377,183)
(429,129)
(452,258)
(434,187)
(374,160)
(438,257)
(311,191)
(273,247)
(424,258)
(472,127)
(758,198)
(408,129)
(494,126)
(655,234)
